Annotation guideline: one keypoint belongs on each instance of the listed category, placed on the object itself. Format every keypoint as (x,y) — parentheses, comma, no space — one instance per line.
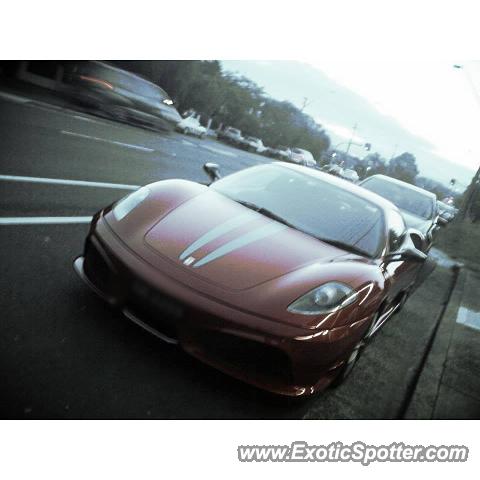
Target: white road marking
(219,150)
(60,181)
(42,220)
(86,119)
(114,142)
(186,142)
(14,98)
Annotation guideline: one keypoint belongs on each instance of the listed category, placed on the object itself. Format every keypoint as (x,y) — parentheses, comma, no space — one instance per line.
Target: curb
(422,401)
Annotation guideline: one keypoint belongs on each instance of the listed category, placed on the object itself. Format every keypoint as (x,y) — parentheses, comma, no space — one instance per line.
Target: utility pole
(354,129)
(473,187)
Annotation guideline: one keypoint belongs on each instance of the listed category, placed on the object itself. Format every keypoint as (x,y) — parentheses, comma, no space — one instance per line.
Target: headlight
(126,205)
(327,298)
(167,101)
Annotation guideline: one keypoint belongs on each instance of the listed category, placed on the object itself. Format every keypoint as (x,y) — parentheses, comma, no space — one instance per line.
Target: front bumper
(279,358)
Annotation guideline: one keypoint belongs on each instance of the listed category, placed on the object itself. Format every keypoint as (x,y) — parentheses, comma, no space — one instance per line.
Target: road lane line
(86,119)
(219,150)
(14,98)
(114,142)
(43,220)
(60,181)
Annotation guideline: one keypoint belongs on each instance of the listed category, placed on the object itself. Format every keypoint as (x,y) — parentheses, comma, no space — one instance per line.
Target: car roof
(378,200)
(402,184)
(122,71)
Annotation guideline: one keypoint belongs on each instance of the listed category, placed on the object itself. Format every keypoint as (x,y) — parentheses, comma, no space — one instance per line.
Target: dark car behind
(120,95)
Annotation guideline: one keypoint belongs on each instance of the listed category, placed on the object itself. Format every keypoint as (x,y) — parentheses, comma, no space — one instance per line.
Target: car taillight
(98,81)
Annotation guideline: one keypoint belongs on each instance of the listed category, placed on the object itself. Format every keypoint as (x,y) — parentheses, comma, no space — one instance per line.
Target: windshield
(405,198)
(309,204)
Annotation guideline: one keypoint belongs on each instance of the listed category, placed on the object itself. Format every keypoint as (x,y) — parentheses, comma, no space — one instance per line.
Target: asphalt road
(64,354)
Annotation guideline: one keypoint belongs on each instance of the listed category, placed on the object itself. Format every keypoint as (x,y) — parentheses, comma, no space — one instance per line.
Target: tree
(232,99)
(372,164)
(440,190)
(403,167)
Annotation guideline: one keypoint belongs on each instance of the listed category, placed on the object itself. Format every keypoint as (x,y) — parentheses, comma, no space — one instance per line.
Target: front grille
(255,358)
(115,280)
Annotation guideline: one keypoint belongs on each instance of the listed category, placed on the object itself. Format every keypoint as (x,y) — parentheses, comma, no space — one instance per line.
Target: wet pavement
(449,386)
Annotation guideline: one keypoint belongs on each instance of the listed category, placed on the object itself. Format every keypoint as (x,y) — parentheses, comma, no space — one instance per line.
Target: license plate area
(156,309)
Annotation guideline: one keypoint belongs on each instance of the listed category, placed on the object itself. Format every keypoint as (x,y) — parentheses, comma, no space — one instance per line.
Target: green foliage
(460,240)
(372,164)
(440,190)
(404,167)
(231,99)
(475,207)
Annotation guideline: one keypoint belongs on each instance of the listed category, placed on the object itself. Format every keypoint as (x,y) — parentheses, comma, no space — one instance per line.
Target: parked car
(243,277)
(252,144)
(281,152)
(302,157)
(230,135)
(332,169)
(349,174)
(191,126)
(345,173)
(418,206)
(211,133)
(120,95)
(447,212)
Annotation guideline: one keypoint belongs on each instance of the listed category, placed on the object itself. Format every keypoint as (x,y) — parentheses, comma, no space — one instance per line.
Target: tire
(186,131)
(355,354)
(349,364)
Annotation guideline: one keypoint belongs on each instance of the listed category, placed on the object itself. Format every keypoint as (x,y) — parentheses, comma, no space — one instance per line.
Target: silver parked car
(418,206)
(302,157)
(230,135)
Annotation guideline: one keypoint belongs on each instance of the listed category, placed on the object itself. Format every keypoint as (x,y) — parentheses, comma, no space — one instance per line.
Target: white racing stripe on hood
(242,241)
(217,232)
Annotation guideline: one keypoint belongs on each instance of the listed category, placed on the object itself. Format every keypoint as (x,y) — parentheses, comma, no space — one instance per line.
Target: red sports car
(276,275)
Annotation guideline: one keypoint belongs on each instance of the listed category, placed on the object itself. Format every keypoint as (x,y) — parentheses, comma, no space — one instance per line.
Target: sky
(430,109)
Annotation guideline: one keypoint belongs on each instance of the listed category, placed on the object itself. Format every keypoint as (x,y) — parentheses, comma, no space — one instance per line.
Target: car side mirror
(407,251)
(213,171)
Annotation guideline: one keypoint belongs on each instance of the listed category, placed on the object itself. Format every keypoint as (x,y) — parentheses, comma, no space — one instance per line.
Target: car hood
(412,221)
(232,246)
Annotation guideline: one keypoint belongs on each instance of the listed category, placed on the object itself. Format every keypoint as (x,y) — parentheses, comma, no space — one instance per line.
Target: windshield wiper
(266,212)
(342,245)
(274,216)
